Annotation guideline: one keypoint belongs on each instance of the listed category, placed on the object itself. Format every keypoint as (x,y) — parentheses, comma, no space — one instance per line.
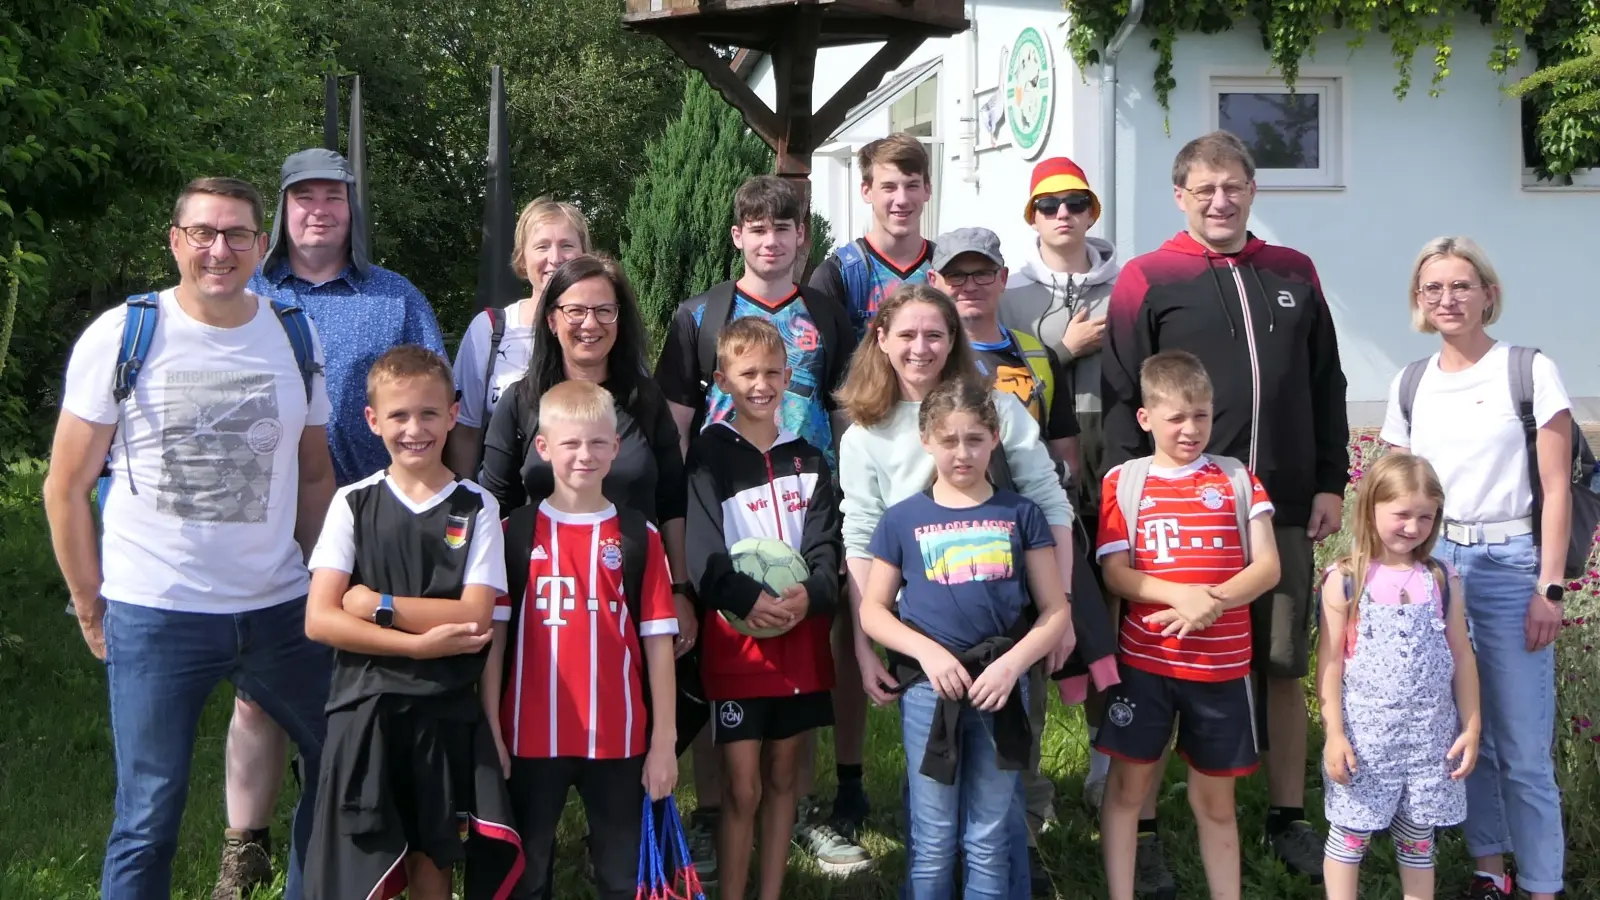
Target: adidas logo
(538,553)
(1144,502)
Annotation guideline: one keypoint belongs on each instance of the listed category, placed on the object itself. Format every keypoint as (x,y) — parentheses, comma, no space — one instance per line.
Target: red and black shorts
(1216,722)
(770,718)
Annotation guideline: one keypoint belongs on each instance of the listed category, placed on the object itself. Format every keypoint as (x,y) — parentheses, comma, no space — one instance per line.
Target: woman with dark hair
(590,329)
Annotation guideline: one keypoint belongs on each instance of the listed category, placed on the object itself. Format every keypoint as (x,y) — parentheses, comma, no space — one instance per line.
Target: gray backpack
(1130,490)
(1585,502)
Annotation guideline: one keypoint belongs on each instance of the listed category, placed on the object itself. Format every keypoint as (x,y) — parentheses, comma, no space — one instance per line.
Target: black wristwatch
(683,589)
(1553,592)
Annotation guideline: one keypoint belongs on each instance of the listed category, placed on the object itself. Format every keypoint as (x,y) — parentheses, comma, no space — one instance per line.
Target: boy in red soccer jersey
(1174,550)
(580,668)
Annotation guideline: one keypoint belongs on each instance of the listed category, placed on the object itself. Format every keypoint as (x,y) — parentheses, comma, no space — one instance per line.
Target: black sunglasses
(1076,203)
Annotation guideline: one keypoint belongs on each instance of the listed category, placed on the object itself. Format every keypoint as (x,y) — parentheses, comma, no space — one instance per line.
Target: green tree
(1569,120)
(682,205)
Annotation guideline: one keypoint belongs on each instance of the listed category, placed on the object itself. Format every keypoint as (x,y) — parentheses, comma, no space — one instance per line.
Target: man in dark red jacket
(1256,316)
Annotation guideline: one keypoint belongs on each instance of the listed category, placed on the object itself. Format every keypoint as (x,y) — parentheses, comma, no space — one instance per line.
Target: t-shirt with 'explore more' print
(963,568)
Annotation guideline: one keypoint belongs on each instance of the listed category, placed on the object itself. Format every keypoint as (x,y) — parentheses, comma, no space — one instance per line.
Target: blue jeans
(979,812)
(161,667)
(1513,805)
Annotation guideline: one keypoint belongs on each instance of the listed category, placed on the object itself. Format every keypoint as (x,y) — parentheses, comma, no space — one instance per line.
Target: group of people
(1067,477)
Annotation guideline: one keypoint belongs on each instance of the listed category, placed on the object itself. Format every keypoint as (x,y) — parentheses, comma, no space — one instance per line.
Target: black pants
(613,801)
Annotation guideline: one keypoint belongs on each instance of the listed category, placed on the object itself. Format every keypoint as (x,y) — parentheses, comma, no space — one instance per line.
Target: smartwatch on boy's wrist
(683,589)
(383,616)
(1553,592)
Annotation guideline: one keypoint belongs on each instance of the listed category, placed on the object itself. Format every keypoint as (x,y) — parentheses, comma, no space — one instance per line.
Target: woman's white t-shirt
(200,512)
(1465,424)
(516,347)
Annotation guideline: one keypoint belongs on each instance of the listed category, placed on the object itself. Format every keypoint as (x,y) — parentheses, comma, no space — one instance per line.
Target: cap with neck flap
(317,165)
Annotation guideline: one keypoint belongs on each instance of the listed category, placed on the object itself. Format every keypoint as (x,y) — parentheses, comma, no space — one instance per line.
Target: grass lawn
(56,775)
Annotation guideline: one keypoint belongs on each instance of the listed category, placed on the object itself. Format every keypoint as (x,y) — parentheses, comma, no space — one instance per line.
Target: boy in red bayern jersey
(580,678)
(1175,545)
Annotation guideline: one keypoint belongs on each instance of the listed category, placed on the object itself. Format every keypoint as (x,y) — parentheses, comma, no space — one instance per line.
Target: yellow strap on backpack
(1037,359)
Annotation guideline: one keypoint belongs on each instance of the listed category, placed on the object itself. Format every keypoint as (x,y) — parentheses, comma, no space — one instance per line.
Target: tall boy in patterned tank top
(1187,575)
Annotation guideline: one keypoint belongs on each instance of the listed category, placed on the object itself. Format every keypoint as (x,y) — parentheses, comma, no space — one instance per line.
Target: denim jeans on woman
(978,815)
(1513,805)
(161,667)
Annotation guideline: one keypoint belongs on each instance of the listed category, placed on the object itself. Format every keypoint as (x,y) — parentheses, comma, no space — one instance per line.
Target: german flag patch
(455,532)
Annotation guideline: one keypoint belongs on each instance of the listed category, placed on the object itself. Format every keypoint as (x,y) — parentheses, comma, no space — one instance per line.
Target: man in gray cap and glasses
(318,260)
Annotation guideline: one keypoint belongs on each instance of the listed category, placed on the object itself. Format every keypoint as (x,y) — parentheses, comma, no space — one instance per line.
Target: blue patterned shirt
(358,318)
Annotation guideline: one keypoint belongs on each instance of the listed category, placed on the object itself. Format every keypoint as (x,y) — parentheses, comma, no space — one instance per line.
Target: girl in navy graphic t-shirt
(972,565)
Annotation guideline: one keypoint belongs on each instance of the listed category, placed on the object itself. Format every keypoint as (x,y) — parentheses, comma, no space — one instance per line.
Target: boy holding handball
(749,479)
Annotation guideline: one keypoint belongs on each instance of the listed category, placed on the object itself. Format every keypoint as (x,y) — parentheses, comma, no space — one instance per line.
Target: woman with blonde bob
(1509,545)
(549,232)
(913,345)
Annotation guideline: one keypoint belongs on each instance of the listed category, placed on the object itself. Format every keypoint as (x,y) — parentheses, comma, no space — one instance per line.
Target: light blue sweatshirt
(884,464)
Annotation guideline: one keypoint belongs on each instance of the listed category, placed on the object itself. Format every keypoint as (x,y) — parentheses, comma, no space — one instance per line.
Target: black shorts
(1216,722)
(770,718)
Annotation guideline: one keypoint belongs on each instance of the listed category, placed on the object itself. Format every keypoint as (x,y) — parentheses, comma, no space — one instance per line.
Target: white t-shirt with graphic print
(1465,424)
(516,348)
(205,463)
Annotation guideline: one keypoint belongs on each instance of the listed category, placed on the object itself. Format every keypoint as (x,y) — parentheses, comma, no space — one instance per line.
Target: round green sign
(1030,92)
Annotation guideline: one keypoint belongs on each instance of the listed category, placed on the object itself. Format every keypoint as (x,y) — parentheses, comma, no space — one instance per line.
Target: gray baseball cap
(315,165)
(951,244)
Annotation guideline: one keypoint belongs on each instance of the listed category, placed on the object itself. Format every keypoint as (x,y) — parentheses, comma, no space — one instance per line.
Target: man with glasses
(1255,315)
(317,260)
(219,481)
(967,265)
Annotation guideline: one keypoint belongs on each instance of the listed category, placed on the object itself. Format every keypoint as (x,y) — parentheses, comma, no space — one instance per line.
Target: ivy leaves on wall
(1556,31)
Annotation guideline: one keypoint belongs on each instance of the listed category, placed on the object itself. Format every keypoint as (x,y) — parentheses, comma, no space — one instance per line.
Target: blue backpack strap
(138,331)
(857,276)
(1409,379)
(298,328)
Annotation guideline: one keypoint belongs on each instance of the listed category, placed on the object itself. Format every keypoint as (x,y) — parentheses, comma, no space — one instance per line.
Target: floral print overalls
(1400,717)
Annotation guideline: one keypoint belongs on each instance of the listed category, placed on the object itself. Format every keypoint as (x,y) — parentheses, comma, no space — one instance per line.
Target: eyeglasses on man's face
(201,237)
(575,313)
(1205,193)
(959,279)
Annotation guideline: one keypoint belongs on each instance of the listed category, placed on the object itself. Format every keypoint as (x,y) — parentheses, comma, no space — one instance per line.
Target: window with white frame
(915,111)
(1295,136)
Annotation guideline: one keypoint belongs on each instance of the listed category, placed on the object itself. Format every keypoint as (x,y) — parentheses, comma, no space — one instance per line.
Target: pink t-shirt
(1393,587)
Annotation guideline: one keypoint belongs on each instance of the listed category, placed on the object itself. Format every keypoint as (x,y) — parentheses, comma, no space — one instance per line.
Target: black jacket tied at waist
(1013,736)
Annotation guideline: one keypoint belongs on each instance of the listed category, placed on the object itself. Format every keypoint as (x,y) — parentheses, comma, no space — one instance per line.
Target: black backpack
(1585,502)
(833,326)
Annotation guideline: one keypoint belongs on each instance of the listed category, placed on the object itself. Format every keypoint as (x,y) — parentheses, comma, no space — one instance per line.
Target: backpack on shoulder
(1585,502)
(1130,489)
(497,334)
(139,331)
(828,316)
(1040,363)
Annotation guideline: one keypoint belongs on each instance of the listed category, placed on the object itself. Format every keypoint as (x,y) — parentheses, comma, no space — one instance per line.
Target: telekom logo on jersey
(1163,536)
(555,594)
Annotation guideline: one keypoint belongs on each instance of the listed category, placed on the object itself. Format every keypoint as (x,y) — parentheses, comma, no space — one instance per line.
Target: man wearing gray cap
(317,260)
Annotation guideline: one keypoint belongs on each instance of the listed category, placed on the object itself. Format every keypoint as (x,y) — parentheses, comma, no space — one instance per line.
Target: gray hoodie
(1041,301)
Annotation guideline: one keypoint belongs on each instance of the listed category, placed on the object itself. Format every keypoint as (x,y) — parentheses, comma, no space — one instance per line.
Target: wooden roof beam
(700,57)
(888,58)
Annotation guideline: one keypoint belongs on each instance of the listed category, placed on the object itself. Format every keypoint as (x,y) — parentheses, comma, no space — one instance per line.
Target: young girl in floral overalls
(1398,682)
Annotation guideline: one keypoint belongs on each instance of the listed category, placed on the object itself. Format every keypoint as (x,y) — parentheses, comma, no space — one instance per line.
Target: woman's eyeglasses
(1434,292)
(575,313)
(1076,204)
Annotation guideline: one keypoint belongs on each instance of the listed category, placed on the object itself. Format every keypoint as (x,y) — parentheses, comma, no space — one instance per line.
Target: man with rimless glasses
(1256,316)
(220,479)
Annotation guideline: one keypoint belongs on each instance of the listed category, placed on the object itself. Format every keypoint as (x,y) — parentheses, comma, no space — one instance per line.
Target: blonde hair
(872,387)
(577,402)
(1175,376)
(748,333)
(1398,474)
(545,211)
(1456,247)
(409,361)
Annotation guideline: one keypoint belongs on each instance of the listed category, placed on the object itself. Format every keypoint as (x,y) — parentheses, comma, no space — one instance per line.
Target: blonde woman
(1508,541)
(548,234)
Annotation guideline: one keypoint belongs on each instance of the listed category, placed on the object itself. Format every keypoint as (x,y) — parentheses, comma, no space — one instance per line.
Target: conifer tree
(682,206)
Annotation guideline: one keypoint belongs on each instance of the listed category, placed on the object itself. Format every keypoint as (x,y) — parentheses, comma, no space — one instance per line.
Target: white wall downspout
(1108,121)
(969,101)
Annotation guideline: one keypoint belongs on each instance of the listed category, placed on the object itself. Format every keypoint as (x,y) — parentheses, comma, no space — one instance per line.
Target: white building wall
(1412,170)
